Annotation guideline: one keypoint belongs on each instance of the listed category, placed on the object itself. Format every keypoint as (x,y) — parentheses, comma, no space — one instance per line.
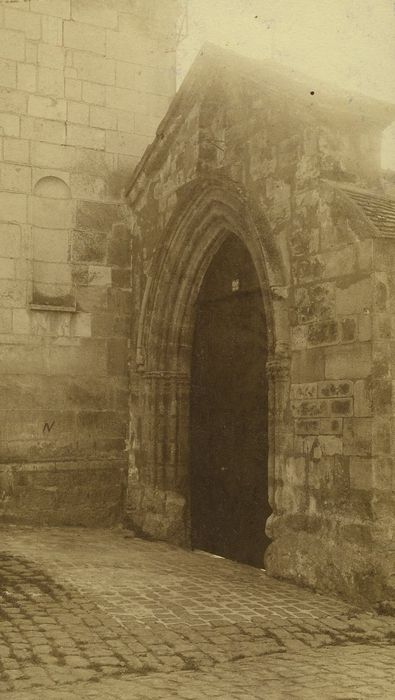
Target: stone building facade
(101,289)
(295,175)
(83,85)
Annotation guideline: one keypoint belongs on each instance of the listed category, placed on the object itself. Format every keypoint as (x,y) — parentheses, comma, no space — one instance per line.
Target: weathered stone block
(78,112)
(97,216)
(27,77)
(125,122)
(304,391)
(87,186)
(5,320)
(89,246)
(12,101)
(381,396)
(58,8)
(119,98)
(339,262)
(323,333)
(95,69)
(381,291)
(348,361)
(308,365)
(7,268)
(364,327)
(31,51)
(99,275)
(88,358)
(93,93)
(95,12)
(329,426)
(15,178)
(349,329)
(107,325)
(22,359)
(357,436)
(121,278)
(342,407)
(125,75)
(353,296)
(118,142)
(48,107)
(13,207)
(117,356)
(119,301)
(361,473)
(16,151)
(8,74)
(10,240)
(43,130)
(307,427)
(12,293)
(85,37)
(12,45)
(119,246)
(382,429)
(52,32)
(9,123)
(154,80)
(310,408)
(81,325)
(382,325)
(90,299)
(314,303)
(102,423)
(103,117)
(383,473)
(330,389)
(21,321)
(45,155)
(362,398)
(50,82)
(85,136)
(331,445)
(73,89)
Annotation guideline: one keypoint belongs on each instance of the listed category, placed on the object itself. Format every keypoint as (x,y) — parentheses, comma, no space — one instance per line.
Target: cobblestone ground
(100,614)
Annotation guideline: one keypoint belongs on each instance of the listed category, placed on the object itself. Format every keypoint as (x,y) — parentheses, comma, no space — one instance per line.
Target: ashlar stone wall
(83,86)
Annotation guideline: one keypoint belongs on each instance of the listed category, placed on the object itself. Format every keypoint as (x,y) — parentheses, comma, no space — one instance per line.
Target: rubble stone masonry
(83,85)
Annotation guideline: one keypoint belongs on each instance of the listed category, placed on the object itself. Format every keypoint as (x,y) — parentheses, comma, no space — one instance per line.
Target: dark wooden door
(229,447)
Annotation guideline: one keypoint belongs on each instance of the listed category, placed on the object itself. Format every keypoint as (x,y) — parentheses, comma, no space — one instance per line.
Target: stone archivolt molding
(209,209)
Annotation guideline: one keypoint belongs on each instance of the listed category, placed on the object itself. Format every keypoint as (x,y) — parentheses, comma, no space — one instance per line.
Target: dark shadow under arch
(229,410)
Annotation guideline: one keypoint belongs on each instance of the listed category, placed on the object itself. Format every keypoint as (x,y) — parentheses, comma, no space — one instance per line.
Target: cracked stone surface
(96,613)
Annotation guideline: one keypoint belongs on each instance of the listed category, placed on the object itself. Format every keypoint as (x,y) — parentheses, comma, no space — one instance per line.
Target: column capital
(278,366)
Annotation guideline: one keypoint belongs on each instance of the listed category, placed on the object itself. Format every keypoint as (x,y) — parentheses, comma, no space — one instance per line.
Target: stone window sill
(47,307)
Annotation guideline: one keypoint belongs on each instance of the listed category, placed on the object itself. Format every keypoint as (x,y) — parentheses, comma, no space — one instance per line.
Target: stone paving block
(67,590)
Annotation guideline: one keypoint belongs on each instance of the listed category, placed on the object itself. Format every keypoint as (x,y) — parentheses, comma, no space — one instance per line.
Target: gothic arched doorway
(229,410)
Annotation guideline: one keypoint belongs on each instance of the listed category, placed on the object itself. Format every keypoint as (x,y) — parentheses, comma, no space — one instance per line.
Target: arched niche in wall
(51,216)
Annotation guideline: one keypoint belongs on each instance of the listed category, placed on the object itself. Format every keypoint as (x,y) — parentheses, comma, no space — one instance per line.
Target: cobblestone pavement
(96,613)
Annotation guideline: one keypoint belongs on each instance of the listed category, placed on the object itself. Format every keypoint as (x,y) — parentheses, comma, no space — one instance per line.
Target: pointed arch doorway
(229,410)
